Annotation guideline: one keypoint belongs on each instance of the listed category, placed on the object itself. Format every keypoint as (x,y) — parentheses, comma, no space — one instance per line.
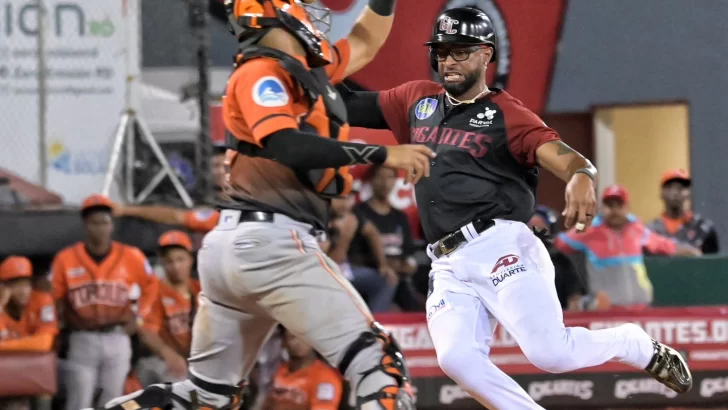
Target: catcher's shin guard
(397,396)
(162,396)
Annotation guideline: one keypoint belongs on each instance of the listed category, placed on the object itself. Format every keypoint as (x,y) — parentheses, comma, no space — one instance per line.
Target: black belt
(261,216)
(100,329)
(452,241)
(215,388)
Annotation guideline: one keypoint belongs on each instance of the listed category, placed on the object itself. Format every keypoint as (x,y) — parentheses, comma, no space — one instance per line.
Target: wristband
(588,171)
(382,7)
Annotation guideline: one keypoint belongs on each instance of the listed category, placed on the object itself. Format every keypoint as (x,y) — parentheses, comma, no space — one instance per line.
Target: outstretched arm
(369,34)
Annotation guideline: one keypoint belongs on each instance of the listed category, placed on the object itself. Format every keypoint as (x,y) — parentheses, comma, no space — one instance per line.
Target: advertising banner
(699,333)
(89,53)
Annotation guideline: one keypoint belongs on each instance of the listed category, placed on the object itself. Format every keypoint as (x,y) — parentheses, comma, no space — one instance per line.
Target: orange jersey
(35,330)
(201,220)
(172,314)
(316,387)
(262,98)
(95,295)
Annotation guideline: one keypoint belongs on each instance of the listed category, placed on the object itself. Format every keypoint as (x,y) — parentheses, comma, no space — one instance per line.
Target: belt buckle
(441,244)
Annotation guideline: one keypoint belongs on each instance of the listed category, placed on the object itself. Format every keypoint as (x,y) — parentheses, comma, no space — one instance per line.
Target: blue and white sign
(269,91)
(425,108)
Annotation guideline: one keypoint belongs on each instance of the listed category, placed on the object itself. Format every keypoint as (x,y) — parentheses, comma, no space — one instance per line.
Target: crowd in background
(134,329)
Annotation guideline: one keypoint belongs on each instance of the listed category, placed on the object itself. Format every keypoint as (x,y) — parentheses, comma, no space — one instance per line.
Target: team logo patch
(425,108)
(47,314)
(269,91)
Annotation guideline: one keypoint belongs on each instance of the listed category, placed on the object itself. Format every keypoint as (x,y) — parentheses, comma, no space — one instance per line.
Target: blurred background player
(373,278)
(201,219)
(27,317)
(93,283)
(303,381)
(677,220)
(167,328)
(614,245)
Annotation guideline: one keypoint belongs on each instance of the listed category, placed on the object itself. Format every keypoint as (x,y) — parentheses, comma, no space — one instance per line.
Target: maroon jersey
(486,154)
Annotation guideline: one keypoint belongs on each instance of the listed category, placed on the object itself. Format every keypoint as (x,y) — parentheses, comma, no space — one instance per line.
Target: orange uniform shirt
(316,387)
(35,330)
(95,295)
(172,314)
(201,220)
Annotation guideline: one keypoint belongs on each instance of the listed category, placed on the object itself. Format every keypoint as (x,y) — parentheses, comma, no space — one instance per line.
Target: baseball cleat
(669,368)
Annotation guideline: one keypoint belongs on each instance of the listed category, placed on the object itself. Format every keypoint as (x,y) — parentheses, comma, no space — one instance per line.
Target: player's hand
(413,159)
(176,364)
(581,202)
(118,210)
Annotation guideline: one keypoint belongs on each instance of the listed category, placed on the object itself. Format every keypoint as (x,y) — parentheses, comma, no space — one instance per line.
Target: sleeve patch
(269,91)
(47,314)
(325,392)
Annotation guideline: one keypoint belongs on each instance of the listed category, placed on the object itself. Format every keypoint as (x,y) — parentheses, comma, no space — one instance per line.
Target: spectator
(304,382)
(614,250)
(376,284)
(394,228)
(94,282)
(677,221)
(570,286)
(167,328)
(201,219)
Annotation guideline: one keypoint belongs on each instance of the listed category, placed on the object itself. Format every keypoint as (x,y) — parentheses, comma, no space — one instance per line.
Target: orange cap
(615,192)
(675,175)
(175,238)
(96,201)
(14,267)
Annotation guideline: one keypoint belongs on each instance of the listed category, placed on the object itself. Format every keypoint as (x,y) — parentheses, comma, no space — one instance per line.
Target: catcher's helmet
(250,20)
(462,26)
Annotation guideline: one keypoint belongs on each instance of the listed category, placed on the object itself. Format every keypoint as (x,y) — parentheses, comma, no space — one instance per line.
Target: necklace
(455,102)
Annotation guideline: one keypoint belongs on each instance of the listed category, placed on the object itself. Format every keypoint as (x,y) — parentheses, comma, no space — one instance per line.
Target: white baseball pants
(505,274)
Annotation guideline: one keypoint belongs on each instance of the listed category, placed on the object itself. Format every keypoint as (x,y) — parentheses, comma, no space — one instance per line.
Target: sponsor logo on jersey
(483,119)
(269,91)
(425,108)
(325,392)
(437,307)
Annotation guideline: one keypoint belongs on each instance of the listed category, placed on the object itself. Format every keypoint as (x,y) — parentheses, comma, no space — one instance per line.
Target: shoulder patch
(325,392)
(204,214)
(425,108)
(269,91)
(47,314)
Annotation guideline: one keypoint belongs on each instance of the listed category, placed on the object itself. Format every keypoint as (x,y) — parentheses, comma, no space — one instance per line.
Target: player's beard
(456,90)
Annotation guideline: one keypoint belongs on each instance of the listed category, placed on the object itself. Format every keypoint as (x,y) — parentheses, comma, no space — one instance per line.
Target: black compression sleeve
(363,110)
(303,150)
(382,7)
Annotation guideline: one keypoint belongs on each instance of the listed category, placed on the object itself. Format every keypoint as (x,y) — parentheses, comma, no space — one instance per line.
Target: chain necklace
(455,102)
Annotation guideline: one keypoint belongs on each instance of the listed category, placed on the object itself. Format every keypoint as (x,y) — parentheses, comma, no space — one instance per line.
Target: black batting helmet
(462,26)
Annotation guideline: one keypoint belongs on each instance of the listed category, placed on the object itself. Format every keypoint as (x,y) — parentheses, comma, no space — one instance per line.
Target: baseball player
(262,264)
(93,282)
(167,328)
(27,317)
(304,382)
(487,265)
(202,219)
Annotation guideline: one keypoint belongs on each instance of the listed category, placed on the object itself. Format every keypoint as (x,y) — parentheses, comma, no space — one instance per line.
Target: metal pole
(42,98)
(203,148)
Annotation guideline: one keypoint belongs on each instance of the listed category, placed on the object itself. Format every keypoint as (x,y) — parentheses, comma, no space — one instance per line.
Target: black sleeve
(710,245)
(303,150)
(363,109)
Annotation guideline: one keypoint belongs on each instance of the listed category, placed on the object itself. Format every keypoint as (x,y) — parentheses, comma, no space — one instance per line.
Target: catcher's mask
(250,20)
